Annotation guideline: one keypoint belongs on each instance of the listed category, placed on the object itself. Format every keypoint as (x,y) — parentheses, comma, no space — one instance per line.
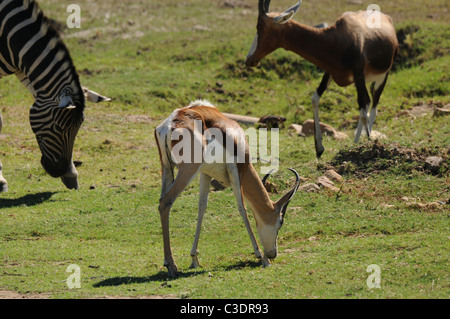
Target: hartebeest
(201,121)
(359,48)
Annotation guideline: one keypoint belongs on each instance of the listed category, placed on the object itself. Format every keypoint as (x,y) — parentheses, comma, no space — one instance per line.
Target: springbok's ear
(66,102)
(92,96)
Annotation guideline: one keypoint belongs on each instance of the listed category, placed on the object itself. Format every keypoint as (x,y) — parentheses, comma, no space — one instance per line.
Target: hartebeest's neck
(311,43)
(255,193)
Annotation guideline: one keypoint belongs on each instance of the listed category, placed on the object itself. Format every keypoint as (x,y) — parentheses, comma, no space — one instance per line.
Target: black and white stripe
(32,49)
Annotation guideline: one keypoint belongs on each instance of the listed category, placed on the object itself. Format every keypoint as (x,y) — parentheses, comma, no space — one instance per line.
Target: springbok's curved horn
(287,198)
(265,177)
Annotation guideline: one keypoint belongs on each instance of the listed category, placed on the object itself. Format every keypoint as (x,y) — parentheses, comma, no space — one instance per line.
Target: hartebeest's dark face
(268,32)
(266,41)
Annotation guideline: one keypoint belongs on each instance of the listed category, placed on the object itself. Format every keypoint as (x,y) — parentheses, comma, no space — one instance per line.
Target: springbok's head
(268,30)
(56,124)
(268,230)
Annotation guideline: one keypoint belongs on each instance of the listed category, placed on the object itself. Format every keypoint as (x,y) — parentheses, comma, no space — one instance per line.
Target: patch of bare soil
(6,294)
(373,157)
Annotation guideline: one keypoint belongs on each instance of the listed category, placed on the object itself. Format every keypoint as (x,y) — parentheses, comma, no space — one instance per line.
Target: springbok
(200,119)
(354,49)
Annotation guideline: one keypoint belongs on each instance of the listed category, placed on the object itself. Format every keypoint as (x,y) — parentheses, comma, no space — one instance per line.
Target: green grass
(153,58)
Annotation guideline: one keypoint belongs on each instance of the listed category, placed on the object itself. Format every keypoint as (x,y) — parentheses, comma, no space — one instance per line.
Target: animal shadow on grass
(164,277)
(160,276)
(27,200)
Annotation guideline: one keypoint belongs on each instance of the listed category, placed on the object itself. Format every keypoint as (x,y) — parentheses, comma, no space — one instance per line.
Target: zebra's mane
(53,32)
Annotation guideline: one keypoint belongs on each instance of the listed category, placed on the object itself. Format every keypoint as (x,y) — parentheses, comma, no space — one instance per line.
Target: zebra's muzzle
(64,169)
(70,182)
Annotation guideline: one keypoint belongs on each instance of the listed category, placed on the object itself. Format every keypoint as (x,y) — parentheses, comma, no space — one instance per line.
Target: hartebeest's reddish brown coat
(352,50)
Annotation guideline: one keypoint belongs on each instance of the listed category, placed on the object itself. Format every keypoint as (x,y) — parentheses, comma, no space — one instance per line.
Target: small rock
(340,136)
(440,111)
(325,182)
(377,135)
(433,163)
(297,128)
(308,128)
(332,175)
(309,187)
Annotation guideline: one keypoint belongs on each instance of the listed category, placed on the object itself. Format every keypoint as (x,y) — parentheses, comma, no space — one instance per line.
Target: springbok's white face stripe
(253,47)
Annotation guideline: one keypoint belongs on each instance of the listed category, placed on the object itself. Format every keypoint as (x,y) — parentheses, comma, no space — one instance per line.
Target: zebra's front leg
(3,183)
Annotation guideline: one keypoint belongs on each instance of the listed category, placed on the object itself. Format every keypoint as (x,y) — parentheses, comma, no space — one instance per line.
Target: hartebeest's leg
(185,175)
(3,184)
(315,102)
(376,90)
(205,181)
(364,104)
(237,189)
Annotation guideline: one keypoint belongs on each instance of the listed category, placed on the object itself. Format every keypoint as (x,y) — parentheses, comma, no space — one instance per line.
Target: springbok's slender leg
(364,104)
(205,180)
(315,103)
(3,183)
(237,189)
(185,175)
(377,89)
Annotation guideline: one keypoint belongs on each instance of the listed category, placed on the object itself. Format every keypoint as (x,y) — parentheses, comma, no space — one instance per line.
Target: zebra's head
(56,124)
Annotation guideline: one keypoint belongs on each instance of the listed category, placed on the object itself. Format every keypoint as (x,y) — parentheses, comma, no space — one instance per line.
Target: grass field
(151,57)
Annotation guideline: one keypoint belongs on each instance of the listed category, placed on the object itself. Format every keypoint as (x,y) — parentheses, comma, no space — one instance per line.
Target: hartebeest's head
(268,30)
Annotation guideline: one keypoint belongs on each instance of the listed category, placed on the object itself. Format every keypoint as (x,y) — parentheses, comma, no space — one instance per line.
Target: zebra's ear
(94,96)
(66,102)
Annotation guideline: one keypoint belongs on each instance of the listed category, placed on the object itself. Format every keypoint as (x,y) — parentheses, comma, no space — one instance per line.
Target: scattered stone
(326,183)
(374,135)
(332,175)
(377,135)
(308,130)
(309,187)
(440,111)
(339,136)
(433,163)
(297,128)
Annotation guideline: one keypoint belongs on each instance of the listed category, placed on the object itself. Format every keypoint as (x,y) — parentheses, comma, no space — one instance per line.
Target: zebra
(32,49)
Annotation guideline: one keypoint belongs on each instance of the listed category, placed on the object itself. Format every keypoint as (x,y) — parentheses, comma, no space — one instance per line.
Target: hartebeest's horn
(263,7)
(266,6)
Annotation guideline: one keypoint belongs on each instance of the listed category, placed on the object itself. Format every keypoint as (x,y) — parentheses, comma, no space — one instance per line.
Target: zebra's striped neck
(33,50)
